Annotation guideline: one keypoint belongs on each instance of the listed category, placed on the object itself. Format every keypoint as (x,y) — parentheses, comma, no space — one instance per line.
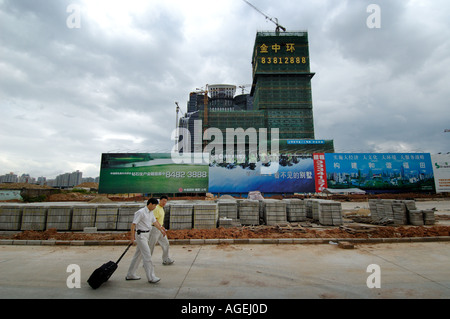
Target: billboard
(150,173)
(320,172)
(380,172)
(291,174)
(441,168)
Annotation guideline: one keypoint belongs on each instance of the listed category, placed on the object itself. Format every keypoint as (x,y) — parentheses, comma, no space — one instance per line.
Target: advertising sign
(150,173)
(320,172)
(441,168)
(380,172)
(291,174)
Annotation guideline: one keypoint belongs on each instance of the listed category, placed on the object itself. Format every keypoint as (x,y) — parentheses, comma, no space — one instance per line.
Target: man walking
(156,236)
(144,221)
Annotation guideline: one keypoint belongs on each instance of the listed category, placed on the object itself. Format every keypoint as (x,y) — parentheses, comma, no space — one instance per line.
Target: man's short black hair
(152,201)
(164,197)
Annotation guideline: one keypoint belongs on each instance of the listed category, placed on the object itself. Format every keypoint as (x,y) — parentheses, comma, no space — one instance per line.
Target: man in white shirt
(142,224)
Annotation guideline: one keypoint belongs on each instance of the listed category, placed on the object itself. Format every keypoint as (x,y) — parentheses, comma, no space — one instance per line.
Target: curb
(229,241)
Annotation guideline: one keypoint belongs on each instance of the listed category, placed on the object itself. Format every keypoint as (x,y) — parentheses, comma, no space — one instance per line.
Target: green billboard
(150,173)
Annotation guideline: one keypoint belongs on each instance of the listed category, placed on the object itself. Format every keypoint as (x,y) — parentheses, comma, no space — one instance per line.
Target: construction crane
(274,20)
(243,87)
(176,124)
(205,103)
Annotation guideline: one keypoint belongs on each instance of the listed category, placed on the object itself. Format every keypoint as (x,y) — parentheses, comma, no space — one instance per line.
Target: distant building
(9,178)
(67,180)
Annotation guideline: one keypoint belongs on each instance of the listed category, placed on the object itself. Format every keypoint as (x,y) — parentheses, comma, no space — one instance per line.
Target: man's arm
(133,233)
(160,228)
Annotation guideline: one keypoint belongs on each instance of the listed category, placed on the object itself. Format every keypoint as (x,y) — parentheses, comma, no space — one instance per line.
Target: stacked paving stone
(205,216)
(249,212)
(274,211)
(314,204)
(388,212)
(327,212)
(295,210)
(428,217)
(228,208)
(126,215)
(330,213)
(106,217)
(308,208)
(167,215)
(373,209)
(416,217)
(181,216)
(10,217)
(315,207)
(59,217)
(401,212)
(228,213)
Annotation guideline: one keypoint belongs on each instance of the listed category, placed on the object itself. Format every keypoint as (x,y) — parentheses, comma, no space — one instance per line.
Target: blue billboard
(291,174)
(380,172)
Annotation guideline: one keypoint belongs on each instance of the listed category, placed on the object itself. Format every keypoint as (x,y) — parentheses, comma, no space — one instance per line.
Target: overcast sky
(109,84)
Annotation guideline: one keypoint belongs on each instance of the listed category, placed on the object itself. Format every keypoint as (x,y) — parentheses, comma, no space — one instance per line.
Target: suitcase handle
(124,253)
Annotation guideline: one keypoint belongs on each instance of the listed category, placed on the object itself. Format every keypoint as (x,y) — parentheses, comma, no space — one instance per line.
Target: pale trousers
(157,237)
(142,253)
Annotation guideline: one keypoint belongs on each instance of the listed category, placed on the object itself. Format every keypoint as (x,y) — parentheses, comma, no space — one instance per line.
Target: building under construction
(280,97)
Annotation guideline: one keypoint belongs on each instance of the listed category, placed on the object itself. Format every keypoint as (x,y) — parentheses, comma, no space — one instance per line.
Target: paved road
(407,270)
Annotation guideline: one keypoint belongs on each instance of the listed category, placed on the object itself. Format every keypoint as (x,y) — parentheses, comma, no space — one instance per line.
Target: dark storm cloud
(67,95)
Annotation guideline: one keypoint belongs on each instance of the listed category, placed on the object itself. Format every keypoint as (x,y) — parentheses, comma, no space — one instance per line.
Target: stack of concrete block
(397,211)
(380,210)
(330,213)
(373,209)
(167,215)
(249,212)
(295,209)
(106,217)
(228,208)
(400,212)
(34,218)
(308,208)
(205,216)
(389,213)
(181,216)
(59,217)
(428,217)
(410,204)
(274,211)
(83,216)
(315,207)
(10,217)
(416,217)
(125,216)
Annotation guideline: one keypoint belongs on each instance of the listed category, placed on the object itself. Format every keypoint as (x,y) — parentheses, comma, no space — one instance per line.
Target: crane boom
(274,20)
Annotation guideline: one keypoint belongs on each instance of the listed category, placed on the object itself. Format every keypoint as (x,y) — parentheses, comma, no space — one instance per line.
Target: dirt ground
(304,230)
(245,232)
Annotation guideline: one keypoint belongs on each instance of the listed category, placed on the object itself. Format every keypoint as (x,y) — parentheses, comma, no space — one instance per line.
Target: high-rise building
(280,97)
(282,82)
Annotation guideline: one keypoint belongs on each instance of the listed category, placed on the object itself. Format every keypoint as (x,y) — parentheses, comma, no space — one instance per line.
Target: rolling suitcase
(104,272)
